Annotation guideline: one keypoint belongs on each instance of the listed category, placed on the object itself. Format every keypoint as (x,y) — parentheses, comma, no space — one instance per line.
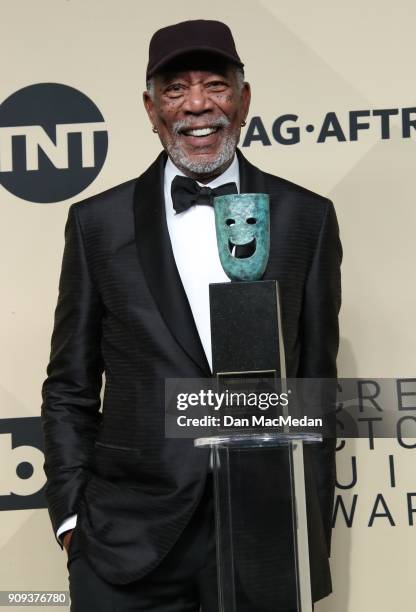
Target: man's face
(198,114)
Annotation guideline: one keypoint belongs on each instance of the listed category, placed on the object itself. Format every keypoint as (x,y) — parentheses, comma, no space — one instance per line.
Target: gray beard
(201,168)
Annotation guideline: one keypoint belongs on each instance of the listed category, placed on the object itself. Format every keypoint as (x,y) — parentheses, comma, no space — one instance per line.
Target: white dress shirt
(194,244)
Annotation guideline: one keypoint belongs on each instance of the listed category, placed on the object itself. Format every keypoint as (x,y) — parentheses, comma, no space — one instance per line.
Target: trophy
(242,223)
(258,477)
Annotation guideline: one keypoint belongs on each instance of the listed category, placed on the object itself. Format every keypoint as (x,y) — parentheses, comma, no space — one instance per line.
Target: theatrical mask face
(243,234)
(197,106)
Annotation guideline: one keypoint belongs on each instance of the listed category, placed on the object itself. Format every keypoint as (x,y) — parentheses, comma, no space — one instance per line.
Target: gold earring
(154,130)
(243,123)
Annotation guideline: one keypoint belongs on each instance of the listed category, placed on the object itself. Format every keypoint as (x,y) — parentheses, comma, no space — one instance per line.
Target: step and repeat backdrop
(333,109)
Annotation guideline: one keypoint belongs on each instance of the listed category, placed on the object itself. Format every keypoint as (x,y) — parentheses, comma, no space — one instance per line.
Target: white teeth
(201,131)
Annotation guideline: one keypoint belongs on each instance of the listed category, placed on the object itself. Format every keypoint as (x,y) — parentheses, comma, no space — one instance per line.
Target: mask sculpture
(242,223)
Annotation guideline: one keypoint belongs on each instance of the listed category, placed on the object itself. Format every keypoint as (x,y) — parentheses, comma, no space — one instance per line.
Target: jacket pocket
(117,447)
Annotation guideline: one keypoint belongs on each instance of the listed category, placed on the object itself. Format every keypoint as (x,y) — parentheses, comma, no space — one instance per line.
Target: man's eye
(175,88)
(217,85)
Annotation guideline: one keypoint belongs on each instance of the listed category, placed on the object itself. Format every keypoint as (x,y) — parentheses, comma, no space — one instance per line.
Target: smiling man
(133,509)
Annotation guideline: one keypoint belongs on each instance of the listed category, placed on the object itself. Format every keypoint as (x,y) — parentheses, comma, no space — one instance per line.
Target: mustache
(186,124)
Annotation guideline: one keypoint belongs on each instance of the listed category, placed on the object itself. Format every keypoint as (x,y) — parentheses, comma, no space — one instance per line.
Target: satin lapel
(253,180)
(158,262)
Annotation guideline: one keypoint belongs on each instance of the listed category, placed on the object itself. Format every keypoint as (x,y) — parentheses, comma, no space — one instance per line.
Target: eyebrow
(166,78)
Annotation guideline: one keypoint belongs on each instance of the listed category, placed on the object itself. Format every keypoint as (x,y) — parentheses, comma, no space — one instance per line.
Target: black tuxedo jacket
(122,310)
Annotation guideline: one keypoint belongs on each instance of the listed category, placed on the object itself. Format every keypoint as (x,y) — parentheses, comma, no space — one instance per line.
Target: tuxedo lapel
(158,262)
(251,178)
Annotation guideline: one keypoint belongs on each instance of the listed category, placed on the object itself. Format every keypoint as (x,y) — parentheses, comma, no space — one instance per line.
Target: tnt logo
(53,142)
(21,459)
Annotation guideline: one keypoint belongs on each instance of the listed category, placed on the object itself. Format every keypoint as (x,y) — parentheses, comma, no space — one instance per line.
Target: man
(133,302)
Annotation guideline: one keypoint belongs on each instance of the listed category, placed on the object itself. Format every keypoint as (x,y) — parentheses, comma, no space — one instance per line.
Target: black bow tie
(186,192)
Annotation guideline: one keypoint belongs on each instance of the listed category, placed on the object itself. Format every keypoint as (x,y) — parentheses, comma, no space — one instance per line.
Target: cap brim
(186,50)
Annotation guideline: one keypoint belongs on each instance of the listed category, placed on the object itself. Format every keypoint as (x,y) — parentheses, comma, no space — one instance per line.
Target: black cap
(189,36)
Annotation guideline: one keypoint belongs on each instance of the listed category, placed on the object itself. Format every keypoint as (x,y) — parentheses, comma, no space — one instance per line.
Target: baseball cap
(199,35)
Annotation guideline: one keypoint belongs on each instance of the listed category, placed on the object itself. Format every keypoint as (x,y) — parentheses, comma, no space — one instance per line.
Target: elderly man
(135,510)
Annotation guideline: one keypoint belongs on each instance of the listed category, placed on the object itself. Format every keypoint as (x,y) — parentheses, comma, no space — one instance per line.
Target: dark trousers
(185,580)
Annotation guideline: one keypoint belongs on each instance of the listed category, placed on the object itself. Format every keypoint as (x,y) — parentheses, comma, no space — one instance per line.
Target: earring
(154,130)
(243,123)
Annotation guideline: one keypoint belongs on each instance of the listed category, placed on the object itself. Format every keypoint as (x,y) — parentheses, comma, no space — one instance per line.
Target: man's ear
(245,99)
(149,106)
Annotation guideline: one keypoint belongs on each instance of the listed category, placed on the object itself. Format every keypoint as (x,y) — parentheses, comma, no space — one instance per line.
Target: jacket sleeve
(71,392)
(319,346)
(321,303)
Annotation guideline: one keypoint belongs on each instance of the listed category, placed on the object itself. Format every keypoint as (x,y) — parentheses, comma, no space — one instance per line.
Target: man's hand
(67,539)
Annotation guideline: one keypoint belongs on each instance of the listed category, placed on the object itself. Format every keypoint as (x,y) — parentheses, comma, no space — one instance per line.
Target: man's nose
(197,100)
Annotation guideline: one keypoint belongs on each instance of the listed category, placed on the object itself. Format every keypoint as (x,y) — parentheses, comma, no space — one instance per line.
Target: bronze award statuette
(243,234)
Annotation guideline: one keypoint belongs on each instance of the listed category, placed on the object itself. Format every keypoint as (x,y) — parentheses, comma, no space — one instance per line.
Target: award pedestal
(260,503)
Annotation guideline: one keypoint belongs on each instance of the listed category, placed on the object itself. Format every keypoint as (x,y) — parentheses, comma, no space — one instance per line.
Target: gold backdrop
(308,63)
